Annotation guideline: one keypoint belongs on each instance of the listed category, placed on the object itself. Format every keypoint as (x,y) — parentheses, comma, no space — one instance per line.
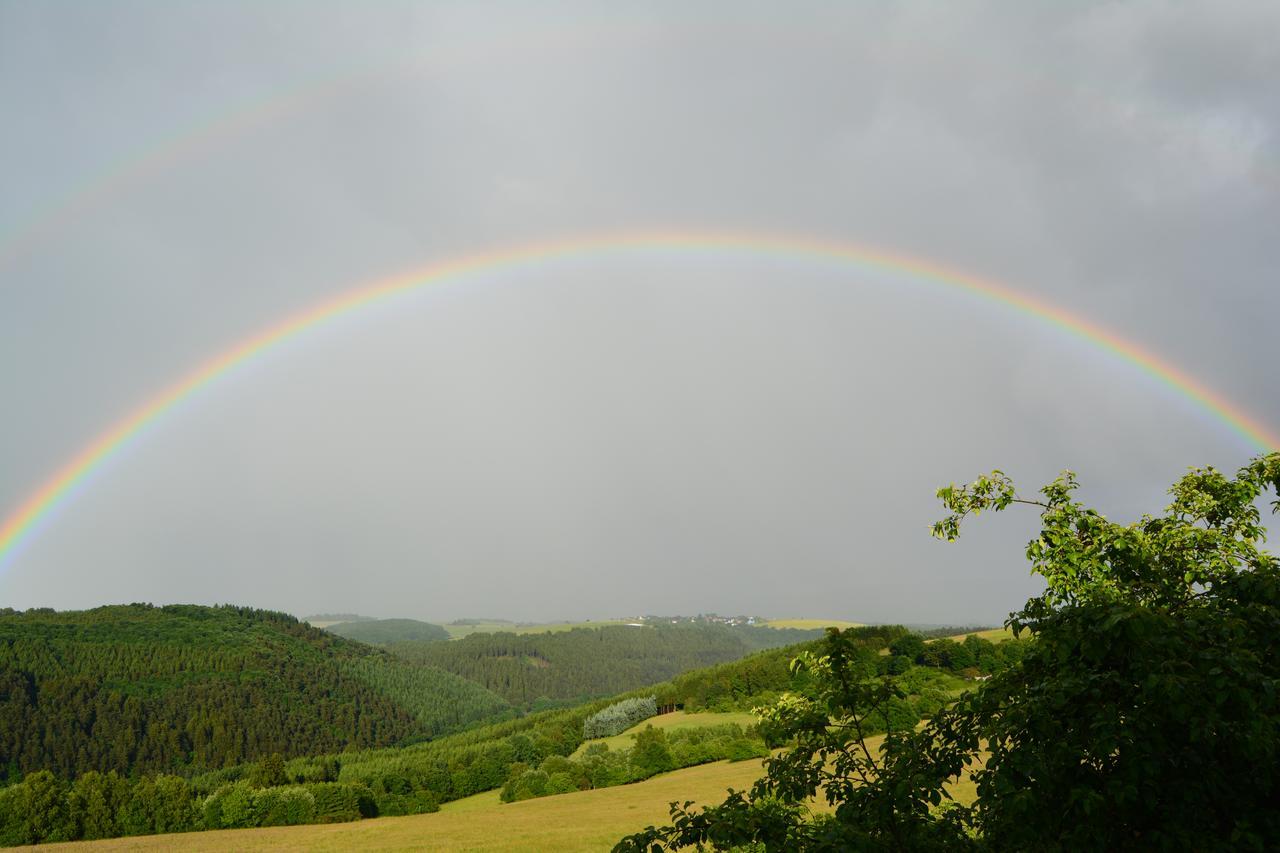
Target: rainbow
(19,525)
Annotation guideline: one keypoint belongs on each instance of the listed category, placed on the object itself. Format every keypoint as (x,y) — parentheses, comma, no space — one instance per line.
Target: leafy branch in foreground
(1145,714)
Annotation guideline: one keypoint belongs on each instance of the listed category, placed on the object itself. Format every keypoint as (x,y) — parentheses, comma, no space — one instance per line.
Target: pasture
(670,722)
(811,624)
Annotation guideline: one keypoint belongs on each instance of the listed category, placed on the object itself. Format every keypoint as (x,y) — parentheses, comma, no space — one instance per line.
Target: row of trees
(654,751)
(273,791)
(972,656)
(43,808)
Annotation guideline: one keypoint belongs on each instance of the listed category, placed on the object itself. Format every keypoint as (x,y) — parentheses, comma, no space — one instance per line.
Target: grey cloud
(631,432)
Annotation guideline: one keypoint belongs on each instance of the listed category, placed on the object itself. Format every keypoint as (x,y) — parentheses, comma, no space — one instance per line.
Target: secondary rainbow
(20,524)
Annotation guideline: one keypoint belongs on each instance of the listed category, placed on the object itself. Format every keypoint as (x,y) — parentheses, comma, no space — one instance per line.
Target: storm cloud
(631,432)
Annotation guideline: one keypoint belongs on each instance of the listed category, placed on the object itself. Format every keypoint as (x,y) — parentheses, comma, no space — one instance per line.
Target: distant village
(700,619)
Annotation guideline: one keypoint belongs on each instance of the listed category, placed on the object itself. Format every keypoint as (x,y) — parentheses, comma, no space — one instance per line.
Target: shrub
(285,806)
(560,783)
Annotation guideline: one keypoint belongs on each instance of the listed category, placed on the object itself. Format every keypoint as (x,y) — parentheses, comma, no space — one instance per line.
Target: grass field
(810,624)
(995,635)
(674,720)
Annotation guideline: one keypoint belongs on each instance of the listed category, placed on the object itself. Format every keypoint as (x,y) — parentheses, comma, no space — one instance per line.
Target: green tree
(35,811)
(651,755)
(911,646)
(95,801)
(1145,714)
(173,809)
(270,772)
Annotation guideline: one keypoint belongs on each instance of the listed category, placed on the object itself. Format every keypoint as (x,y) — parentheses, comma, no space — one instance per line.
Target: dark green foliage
(951,631)
(269,772)
(1144,716)
(910,646)
(284,806)
(142,689)
(162,804)
(971,657)
(440,701)
(383,631)
(582,663)
(754,680)
(650,754)
(758,637)
(337,802)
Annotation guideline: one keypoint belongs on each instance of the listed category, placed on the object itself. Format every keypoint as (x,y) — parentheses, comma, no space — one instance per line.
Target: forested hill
(138,688)
(383,631)
(529,669)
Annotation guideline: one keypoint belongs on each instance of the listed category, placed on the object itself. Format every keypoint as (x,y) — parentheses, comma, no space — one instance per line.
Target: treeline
(584,662)
(654,751)
(757,679)
(379,632)
(760,637)
(141,689)
(972,656)
(317,789)
(43,809)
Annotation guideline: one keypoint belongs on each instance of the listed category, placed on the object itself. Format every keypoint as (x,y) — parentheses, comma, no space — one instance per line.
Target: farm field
(669,722)
(994,635)
(811,624)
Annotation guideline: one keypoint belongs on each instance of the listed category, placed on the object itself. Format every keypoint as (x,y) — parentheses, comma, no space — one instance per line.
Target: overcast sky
(619,433)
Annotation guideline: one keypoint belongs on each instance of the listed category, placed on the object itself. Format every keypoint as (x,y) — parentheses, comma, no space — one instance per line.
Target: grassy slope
(381,631)
(810,624)
(995,635)
(674,720)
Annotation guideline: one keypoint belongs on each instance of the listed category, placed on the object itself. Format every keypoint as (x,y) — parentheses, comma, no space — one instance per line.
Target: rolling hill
(379,632)
(530,670)
(137,689)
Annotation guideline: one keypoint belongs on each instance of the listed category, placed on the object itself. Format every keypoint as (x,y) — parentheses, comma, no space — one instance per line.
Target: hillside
(379,632)
(534,756)
(588,662)
(137,688)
